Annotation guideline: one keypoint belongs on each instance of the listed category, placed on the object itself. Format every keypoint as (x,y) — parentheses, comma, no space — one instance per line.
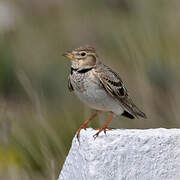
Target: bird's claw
(100,130)
(78,136)
(79,130)
(85,127)
(95,135)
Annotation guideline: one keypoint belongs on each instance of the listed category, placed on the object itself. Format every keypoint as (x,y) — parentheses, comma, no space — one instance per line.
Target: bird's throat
(80,70)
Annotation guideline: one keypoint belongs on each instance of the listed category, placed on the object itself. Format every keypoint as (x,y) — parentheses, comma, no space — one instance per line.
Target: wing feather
(114,86)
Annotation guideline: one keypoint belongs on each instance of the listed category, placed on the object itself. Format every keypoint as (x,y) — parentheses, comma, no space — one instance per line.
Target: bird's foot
(100,130)
(85,125)
(79,130)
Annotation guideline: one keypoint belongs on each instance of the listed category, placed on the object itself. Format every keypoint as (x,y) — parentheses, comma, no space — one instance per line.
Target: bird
(99,87)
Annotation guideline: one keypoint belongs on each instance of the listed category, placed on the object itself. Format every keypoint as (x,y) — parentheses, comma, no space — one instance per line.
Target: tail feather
(132,108)
(127,115)
(138,112)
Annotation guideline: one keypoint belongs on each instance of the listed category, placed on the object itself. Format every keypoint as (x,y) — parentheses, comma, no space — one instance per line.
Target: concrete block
(122,154)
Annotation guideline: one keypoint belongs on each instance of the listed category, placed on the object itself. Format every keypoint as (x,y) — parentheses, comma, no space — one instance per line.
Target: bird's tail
(132,108)
(138,112)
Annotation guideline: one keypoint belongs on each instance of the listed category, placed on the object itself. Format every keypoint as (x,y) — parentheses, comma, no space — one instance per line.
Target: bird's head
(82,57)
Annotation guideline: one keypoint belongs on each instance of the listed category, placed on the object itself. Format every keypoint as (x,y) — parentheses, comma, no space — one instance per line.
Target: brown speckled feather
(70,87)
(114,86)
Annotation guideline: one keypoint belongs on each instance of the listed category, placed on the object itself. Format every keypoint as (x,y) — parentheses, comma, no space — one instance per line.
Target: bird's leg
(105,127)
(84,125)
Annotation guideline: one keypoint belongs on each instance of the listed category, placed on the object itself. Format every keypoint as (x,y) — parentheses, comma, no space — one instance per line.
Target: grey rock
(122,154)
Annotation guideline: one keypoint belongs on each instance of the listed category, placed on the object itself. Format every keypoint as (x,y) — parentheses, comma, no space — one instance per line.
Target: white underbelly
(98,99)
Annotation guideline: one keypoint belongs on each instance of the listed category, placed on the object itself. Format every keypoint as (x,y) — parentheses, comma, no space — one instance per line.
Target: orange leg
(105,127)
(84,125)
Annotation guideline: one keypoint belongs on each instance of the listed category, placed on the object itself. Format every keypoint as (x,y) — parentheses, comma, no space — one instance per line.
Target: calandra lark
(99,87)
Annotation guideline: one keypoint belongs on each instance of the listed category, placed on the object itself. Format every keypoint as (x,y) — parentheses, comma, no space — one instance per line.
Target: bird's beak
(68,54)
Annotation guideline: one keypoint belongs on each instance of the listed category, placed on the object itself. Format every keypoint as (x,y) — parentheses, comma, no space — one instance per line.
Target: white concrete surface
(122,154)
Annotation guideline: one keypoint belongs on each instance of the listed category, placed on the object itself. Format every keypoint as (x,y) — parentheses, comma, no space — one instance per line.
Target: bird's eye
(83,54)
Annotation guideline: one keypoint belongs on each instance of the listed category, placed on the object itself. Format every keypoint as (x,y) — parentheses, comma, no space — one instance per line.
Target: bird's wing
(70,87)
(114,86)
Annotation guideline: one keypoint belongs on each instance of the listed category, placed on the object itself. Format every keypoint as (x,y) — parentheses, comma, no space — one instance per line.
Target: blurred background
(38,115)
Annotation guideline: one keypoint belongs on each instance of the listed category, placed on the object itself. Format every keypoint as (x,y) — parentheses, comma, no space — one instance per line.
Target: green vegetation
(38,115)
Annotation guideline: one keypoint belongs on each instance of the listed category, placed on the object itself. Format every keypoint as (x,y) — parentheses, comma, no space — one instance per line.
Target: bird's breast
(90,92)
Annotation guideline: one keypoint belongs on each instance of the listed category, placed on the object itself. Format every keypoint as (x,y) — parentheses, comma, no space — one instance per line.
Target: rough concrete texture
(152,154)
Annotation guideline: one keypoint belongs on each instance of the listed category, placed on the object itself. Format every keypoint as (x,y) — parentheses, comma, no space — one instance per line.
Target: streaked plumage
(98,86)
